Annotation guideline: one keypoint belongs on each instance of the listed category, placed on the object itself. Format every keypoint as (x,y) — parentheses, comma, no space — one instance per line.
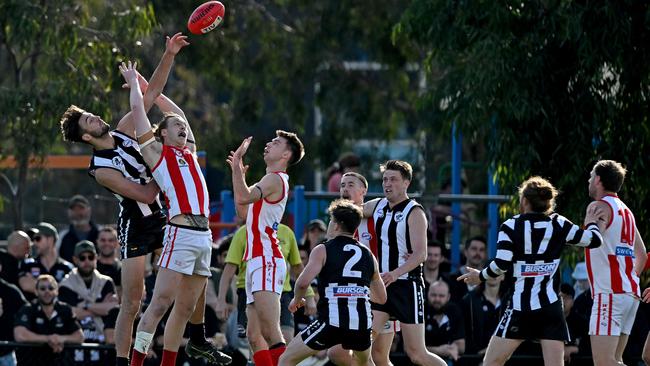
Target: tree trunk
(23,169)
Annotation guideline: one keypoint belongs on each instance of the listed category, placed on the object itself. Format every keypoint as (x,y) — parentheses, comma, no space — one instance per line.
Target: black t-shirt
(12,301)
(32,317)
(113,271)
(450,328)
(9,267)
(481,320)
(34,267)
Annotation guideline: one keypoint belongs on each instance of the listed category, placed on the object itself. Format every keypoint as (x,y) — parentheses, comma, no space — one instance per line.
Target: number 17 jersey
(344,284)
(610,267)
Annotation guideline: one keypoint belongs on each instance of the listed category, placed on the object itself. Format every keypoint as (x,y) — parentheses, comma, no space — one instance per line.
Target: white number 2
(347,269)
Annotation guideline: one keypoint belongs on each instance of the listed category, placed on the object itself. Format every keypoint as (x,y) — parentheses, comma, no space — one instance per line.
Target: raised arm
(590,236)
(270,186)
(151,150)
(115,181)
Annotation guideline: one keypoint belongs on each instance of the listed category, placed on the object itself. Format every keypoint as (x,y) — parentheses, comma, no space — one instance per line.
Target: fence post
(456,166)
(227,209)
(493,214)
(298,210)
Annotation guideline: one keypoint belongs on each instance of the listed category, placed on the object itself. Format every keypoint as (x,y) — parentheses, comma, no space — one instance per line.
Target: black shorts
(242,319)
(545,323)
(140,236)
(286,318)
(405,301)
(320,335)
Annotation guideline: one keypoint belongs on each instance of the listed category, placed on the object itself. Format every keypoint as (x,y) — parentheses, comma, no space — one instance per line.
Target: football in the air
(206,17)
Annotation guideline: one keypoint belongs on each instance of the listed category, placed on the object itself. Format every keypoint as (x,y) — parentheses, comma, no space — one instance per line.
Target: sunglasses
(83,258)
(46,288)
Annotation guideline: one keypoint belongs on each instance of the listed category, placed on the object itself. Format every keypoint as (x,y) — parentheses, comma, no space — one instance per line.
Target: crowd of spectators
(59,287)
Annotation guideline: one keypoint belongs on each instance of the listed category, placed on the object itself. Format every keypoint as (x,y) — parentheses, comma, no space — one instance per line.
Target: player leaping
(265,266)
(185,261)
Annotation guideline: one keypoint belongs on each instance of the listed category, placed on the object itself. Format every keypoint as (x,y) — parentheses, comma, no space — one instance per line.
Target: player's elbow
(20,335)
(379,297)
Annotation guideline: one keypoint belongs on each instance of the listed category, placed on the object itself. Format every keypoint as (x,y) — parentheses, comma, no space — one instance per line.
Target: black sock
(122,361)
(197,333)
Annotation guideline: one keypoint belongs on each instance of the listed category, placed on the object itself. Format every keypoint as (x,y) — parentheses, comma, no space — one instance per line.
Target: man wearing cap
(315,234)
(47,261)
(18,247)
(81,228)
(92,296)
(582,280)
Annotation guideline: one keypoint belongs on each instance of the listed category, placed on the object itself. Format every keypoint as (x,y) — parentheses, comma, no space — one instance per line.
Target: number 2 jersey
(610,267)
(344,284)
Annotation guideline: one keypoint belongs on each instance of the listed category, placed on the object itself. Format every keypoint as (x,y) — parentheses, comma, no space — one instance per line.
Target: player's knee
(130,306)
(602,359)
(419,355)
(255,340)
(338,356)
(646,356)
(160,305)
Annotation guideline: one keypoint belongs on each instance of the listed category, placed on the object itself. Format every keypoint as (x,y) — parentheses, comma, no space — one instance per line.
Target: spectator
(579,325)
(580,276)
(47,321)
(217,266)
(348,162)
(432,271)
(46,261)
(444,332)
(18,248)
(475,252)
(107,263)
(482,310)
(81,228)
(91,295)
(314,234)
(11,300)
(567,294)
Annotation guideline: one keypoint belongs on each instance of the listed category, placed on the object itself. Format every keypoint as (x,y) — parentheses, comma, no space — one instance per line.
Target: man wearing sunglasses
(47,261)
(92,296)
(49,321)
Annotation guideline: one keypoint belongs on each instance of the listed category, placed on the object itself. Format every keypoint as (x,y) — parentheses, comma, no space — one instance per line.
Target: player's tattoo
(197,221)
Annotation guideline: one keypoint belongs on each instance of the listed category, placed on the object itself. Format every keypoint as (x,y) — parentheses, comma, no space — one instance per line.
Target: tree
(550,86)
(55,53)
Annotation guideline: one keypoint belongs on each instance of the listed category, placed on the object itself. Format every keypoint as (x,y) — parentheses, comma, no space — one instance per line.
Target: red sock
(137,358)
(263,358)
(168,358)
(276,353)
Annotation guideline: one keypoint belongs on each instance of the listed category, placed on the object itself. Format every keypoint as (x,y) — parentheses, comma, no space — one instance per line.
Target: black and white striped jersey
(344,284)
(393,241)
(528,251)
(126,159)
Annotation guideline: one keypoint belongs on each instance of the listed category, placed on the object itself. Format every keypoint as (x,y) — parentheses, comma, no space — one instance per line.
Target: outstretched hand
(646,295)
(235,158)
(129,72)
(144,84)
(174,44)
(471,278)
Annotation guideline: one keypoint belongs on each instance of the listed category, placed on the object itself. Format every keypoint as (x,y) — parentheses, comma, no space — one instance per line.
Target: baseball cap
(78,199)
(46,229)
(317,223)
(580,272)
(84,246)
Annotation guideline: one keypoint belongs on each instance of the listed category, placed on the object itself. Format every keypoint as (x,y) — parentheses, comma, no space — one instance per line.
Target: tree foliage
(550,86)
(55,53)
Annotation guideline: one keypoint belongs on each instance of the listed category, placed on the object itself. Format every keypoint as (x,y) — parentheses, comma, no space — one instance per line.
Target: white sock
(142,342)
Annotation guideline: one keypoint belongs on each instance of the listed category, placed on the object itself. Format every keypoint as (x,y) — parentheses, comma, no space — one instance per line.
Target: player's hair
(162,125)
(295,145)
(360,177)
(70,124)
(346,213)
(48,278)
(469,241)
(611,173)
(540,193)
(108,229)
(401,166)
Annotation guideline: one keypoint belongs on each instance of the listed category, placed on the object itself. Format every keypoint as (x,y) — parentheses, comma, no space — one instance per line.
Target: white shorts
(612,314)
(186,251)
(390,327)
(264,274)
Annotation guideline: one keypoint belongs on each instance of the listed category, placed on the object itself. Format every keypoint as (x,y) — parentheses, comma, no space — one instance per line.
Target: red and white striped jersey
(262,222)
(610,267)
(179,177)
(366,235)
